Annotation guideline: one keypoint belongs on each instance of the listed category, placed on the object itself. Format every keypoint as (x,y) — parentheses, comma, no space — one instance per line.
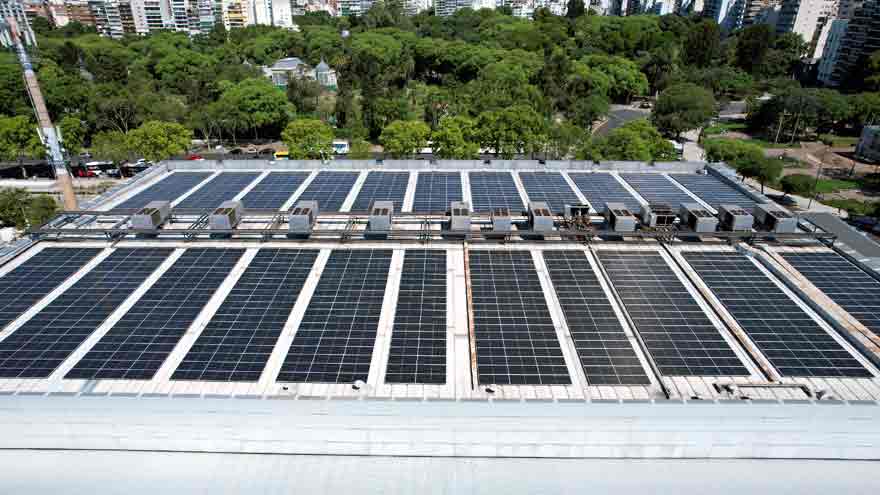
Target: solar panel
(334,341)
(657,188)
(436,190)
(845,283)
(603,347)
(418,341)
(221,188)
(494,190)
(137,345)
(793,342)
(382,186)
(515,337)
(39,346)
(601,188)
(239,339)
(167,189)
(274,190)
(677,333)
(550,187)
(713,191)
(329,189)
(42,273)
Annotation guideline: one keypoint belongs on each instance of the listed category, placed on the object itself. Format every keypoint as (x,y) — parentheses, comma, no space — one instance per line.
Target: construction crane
(47,129)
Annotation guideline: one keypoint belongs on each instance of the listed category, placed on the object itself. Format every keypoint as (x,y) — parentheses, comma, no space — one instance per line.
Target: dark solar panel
(382,186)
(138,344)
(274,190)
(39,346)
(678,334)
(418,341)
(167,189)
(494,190)
(515,337)
(793,342)
(329,189)
(600,188)
(713,191)
(42,273)
(846,284)
(550,187)
(334,341)
(657,188)
(239,339)
(603,347)
(219,189)
(436,190)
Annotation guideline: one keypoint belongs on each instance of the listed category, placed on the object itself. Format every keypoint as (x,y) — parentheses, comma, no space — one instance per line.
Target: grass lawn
(839,141)
(833,185)
(853,206)
(720,127)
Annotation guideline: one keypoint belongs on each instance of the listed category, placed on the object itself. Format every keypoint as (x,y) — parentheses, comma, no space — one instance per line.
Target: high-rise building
(448,7)
(862,38)
(806,18)
(727,13)
(15,9)
(830,48)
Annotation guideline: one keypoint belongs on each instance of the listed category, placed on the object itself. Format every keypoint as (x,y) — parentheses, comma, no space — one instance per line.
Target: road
(619,115)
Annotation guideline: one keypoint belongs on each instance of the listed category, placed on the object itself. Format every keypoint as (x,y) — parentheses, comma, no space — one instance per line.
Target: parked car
(282,155)
(195,157)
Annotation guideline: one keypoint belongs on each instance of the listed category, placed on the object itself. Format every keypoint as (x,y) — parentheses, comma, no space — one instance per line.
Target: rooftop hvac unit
(619,218)
(501,221)
(698,218)
(657,215)
(152,216)
(227,216)
(540,218)
(301,219)
(459,216)
(380,216)
(775,219)
(574,211)
(735,218)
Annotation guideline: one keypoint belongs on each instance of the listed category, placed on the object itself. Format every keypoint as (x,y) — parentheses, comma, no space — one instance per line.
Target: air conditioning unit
(657,215)
(226,216)
(540,218)
(152,216)
(380,216)
(619,218)
(301,219)
(501,221)
(698,218)
(574,211)
(775,219)
(735,218)
(459,216)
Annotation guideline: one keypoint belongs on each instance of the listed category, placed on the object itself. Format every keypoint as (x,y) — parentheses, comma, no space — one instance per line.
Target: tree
(256,104)
(19,139)
(308,139)
(752,45)
(732,151)
(703,44)
(800,184)
(304,93)
(637,140)
(455,138)
(683,107)
(512,131)
(563,139)
(575,9)
(158,141)
(360,149)
(764,170)
(111,145)
(73,133)
(624,74)
(404,138)
(21,209)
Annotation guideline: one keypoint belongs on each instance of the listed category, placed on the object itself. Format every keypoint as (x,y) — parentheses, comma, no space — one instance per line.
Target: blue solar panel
(494,190)
(550,187)
(713,191)
(329,189)
(167,189)
(435,190)
(657,188)
(274,190)
(600,188)
(221,188)
(382,186)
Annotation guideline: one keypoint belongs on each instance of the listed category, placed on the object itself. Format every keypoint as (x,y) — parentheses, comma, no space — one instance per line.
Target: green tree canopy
(637,140)
(111,145)
(683,107)
(455,138)
(308,139)
(512,131)
(401,138)
(21,209)
(157,141)
(73,133)
(19,139)
(801,184)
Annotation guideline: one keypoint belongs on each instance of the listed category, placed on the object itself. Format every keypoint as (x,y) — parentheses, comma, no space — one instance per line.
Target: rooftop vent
(775,219)
(152,216)
(459,216)
(380,216)
(227,216)
(735,218)
(658,215)
(698,218)
(619,218)
(301,219)
(540,217)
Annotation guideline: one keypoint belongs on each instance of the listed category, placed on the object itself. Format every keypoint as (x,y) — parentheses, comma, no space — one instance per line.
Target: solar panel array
(334,342)
(138,344)
(713,191)
(677,333)
(436,190)
(605,351)
(219,189)
(42,273)
(418,340)
(846,284)
(657,188)
(39,346)
(237,342)
(793,342)
(494,190)
(329,189)
(600,188)
(382,186)
(515,337)
(274,190)
(167,189)
(550,187)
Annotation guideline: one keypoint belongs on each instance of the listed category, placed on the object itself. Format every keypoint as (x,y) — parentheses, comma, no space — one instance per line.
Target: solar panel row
(494,190)
(329,189)
(222,188)
(713,191)
(381,186)
(167,189)
(436,190)
(550,187)
(657,188)
(600,188)
(274,190)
